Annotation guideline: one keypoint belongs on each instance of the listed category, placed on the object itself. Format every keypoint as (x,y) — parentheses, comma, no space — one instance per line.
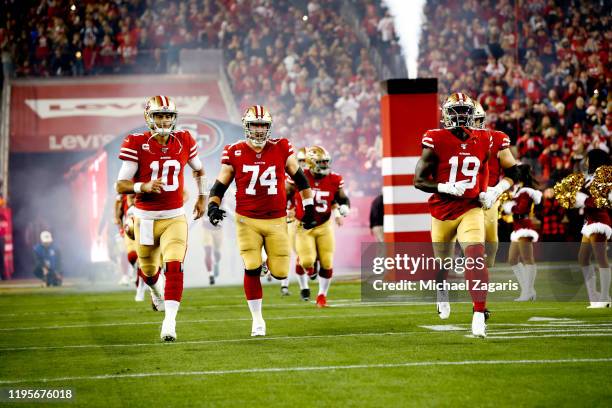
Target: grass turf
(351,354)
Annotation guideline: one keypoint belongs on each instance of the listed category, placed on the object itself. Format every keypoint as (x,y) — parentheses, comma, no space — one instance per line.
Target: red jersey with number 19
(260,177)
(457,160)
(160,161)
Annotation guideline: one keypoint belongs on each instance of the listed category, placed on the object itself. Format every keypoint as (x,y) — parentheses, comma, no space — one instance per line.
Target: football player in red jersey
(258,165)
(152,169)
(318,243)
(128,246)
(124,219)
(503,173)
(453,166)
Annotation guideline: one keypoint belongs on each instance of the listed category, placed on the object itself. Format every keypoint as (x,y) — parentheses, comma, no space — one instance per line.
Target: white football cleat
(479,327)
(258,329)
(157,303)
(140,291)
(168,330)
(444,309)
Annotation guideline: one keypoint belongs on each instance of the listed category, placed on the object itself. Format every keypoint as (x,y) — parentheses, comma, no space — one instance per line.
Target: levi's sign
(109,107)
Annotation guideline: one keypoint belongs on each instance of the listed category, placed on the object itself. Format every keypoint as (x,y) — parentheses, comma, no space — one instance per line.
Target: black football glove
(215,214)
(308,220)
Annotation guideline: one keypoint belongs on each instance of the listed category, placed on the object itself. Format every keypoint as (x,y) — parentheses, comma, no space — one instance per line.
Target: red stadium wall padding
(409,107)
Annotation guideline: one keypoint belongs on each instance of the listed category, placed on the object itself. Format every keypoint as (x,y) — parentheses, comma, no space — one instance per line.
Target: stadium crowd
(302,59)
(541,71)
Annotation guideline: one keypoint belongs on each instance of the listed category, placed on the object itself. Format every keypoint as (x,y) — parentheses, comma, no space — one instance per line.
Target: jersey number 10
(170,164)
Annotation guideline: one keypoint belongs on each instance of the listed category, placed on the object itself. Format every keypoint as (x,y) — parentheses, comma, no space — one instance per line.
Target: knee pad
(152,279)
(298,268)
(253,272)
(326,273)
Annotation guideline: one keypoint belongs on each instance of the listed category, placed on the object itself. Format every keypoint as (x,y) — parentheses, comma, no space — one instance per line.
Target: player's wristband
(307,201)
(137,187)
(202,183)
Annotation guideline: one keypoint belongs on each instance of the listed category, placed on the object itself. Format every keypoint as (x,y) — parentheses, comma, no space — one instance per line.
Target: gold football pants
(468,228)
(317,241)
(169,244)
(253,234)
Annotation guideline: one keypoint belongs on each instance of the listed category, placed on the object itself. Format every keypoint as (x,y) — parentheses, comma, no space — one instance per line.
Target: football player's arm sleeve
(224,179)
(341,198)
(128,170)
(512,172)
(300,180)
(195,163)
(425,171)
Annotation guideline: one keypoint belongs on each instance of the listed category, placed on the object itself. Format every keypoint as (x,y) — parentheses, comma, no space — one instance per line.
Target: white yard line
(551,335)
(140,307)
(544,330)
(240,340)
(233,319)
(156,322)
(312,368)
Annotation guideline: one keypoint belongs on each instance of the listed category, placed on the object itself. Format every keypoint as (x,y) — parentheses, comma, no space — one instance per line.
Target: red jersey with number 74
(160,161)
(458,160)
(260,177)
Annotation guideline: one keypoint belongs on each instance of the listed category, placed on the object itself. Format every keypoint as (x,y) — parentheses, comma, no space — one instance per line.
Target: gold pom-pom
(601,186)
(565,190)
(505,196)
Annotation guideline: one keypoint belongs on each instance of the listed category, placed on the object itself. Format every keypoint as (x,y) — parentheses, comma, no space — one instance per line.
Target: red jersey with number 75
(458,160)
(160,161)
(260,177)
(324,191)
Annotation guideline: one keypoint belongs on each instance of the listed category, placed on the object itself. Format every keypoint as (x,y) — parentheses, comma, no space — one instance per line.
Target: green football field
(106,348)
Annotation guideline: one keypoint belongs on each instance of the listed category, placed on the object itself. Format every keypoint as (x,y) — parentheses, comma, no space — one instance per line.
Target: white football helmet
(160,104)
(458,110)
(257,115)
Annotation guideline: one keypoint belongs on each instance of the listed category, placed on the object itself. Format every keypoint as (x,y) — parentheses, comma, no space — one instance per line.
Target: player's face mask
(164,123)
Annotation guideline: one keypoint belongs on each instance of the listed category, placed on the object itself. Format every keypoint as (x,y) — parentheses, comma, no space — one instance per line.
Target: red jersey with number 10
(457,160)
(160,161)
(260,177)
